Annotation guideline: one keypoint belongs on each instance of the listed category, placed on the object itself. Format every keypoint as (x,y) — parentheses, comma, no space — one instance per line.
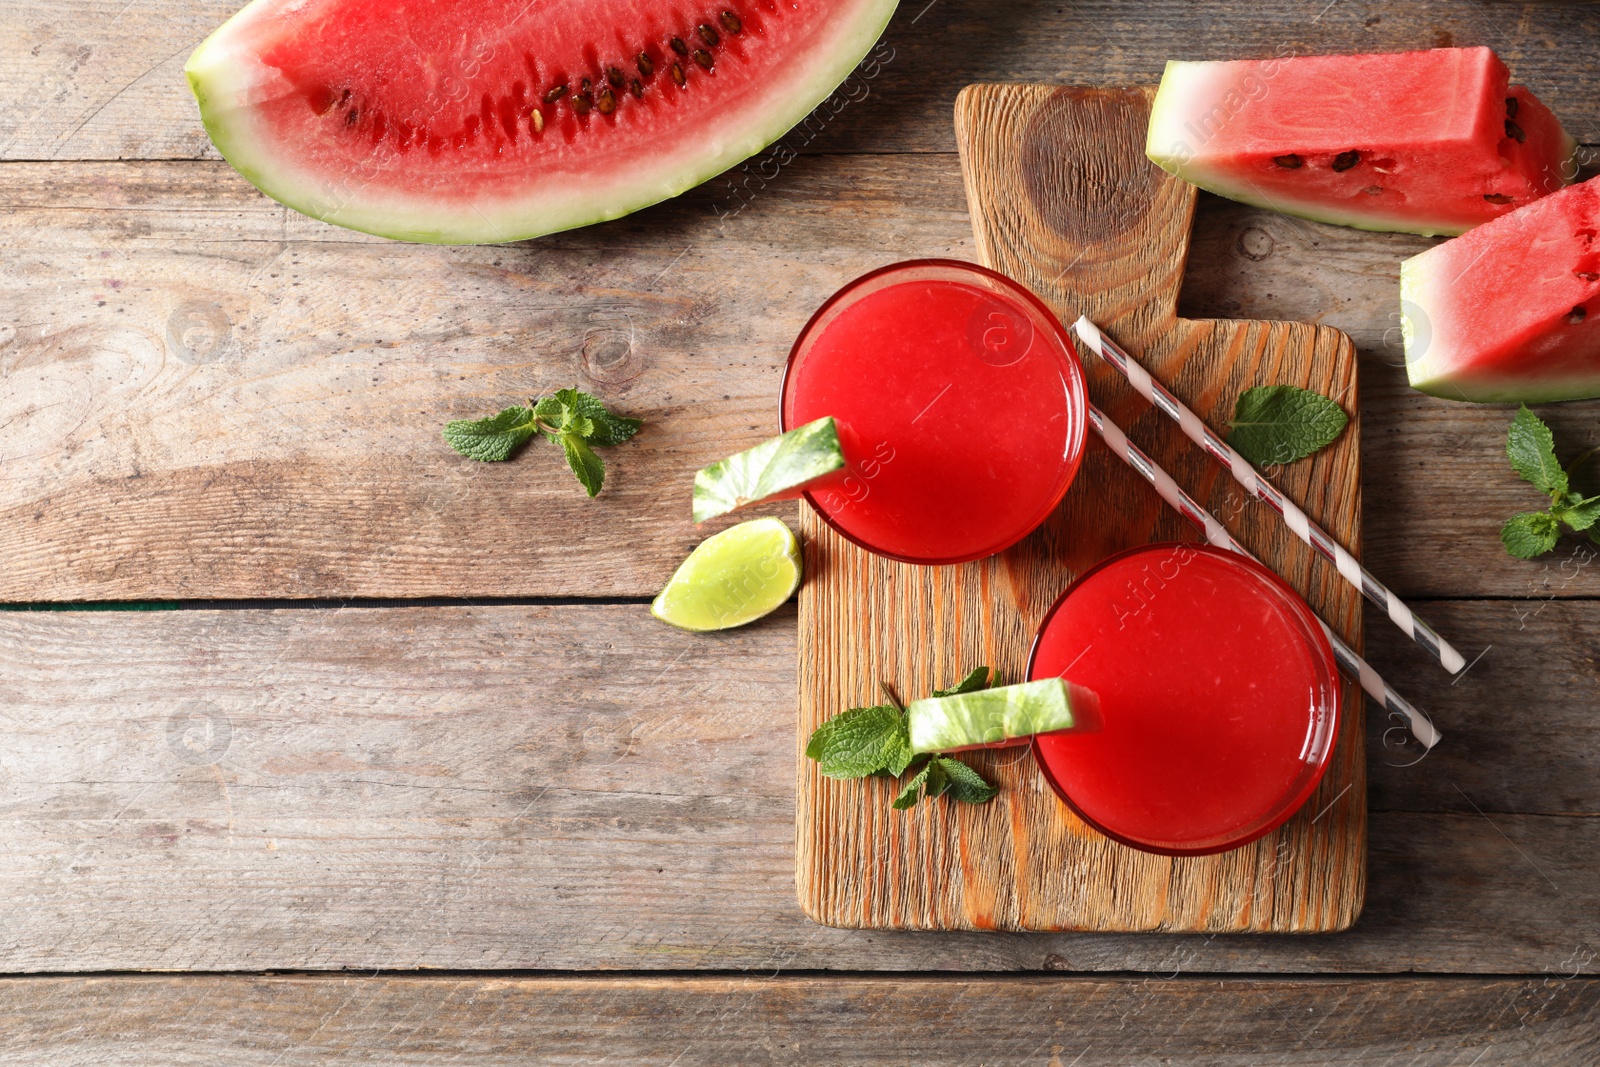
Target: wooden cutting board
(1064,201)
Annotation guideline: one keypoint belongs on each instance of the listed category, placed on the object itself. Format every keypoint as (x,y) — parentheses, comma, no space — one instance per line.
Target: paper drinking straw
(1217,534)
(1257,486)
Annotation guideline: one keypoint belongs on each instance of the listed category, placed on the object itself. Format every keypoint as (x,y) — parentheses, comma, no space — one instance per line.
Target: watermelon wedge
(1511,311)
(1433,142)
(482,121)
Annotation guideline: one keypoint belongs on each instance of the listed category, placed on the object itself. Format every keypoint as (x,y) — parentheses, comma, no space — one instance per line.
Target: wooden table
(411,776)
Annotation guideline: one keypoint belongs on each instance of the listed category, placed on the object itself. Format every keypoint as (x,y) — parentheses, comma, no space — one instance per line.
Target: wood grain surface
(1052,1022)
(188,368)
(578,787)
(1064,201)
(102,79)
(203,395)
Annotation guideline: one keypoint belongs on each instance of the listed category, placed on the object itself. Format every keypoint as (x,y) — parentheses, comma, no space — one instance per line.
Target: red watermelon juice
(1218,698)
(960,406)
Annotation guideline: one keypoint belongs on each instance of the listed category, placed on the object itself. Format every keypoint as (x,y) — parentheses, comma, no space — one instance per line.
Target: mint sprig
(874,741)
(573,419)
(1531,448)
(1275,424)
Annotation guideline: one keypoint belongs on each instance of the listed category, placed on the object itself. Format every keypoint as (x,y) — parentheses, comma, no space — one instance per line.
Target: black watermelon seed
(646,67)
(731,23)
(555,94)
(1577,315)
(1345,160)
(614,76)
(1587,275)
(708,35)
(677,75)
(702,57)
(636,89)
(1292,161)
(607,102)
(678,46)
(1511,107)
(582,104)
(1515,132)
(1497,198)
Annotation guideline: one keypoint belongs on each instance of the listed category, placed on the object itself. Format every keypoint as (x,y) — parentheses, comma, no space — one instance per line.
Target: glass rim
(1295,798)
(1077,386)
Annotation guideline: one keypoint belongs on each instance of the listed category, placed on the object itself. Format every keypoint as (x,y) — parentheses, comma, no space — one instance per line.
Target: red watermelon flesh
(1510,311)
(495,120)
(1425,142)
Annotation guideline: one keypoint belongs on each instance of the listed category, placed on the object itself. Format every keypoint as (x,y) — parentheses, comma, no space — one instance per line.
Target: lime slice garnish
(777,466)
(1000,716)
(733,577)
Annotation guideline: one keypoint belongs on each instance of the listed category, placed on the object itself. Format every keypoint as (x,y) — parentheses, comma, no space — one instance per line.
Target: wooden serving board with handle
(1064,201)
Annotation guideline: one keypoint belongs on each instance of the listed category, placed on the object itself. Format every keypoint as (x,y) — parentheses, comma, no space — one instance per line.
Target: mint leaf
(966,784)
(977,679)
(604,428)
(859,742)
(1530,534)
(912,792)
(589,468)
(1579,513)
(493,439)
(1531,448)
(902,757)
(550,411)
(1283,423)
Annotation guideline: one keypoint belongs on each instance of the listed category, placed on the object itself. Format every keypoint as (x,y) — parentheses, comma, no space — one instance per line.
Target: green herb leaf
(977,679)
(1531,448)
(859,742)
(1530,534)
(590,468)
(913,791)
(604,428)
(1283,423)
(1580,513)
(573,419)
(493,439)
(966,784)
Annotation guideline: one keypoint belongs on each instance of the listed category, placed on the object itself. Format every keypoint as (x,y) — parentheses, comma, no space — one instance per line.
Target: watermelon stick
(1253,483)
(1352,664)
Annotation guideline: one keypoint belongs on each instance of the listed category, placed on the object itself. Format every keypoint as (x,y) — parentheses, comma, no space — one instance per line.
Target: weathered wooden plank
(287,1021)
(580,787)
(100,79)
(185,370)
(186,376)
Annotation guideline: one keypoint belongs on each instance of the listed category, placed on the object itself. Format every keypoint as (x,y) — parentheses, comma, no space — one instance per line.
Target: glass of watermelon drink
(960,405)
(1219,698)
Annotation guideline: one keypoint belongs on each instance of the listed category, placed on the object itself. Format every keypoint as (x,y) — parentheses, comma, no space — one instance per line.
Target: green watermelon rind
(990,716)
(219,77)
(1165,134)
(779,464)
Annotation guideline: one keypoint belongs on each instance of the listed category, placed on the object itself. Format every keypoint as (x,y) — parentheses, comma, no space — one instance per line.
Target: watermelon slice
(1432,142)
(481,121)
(1510,311)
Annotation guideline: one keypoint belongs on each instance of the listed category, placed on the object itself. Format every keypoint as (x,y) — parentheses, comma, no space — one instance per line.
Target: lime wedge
(776,467)
(732,578)
(993,718)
